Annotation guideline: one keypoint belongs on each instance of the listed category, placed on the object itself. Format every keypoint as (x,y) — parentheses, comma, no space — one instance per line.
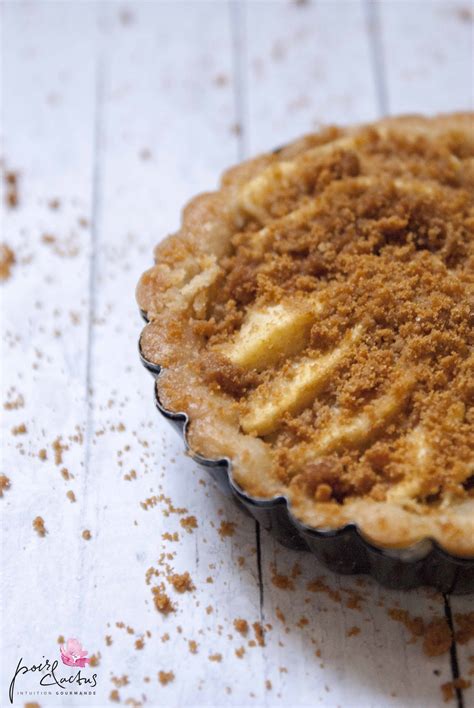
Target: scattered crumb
(114,696)
(280,615)
(242,626)
(448,689)
(108,640)
(319,585)
(86,535)
(227,528)
(189,523)
(268,685)
(60,639)
(354,600)
(42,454)
(170,536)
(282,582)
(465,13)
(94,659)
(19,401)
(7,260)
(415,625)
(4,484)
(465,627)
(259,633)
(437,637)
(126,17)
(58,448)
(71,496)
(353,631)
(139,643)
(162,602)
(12,197)
(193,646)
(54,204)
(239,653)
(181,583)
(19,429)
(165,677)
(215,657)
(39,527)
(221,80)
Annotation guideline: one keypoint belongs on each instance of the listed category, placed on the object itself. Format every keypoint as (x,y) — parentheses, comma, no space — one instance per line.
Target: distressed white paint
(87,88)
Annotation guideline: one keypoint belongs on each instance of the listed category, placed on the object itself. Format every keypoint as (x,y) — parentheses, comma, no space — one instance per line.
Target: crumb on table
(39,527)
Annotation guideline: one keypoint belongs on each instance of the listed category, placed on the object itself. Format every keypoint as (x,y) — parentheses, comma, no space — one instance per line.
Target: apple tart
(313,318)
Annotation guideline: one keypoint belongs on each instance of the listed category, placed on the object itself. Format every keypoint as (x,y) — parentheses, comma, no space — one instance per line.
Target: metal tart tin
(343,550)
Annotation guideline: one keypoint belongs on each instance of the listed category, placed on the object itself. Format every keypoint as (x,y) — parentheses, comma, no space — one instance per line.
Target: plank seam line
(239,46)
(453,651)
(95,211)
(377,54)
(237,28)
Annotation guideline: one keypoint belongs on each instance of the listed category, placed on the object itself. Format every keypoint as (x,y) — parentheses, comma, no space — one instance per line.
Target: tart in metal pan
(313,319)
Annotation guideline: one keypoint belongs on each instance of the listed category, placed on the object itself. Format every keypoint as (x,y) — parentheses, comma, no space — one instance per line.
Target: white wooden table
(122,112)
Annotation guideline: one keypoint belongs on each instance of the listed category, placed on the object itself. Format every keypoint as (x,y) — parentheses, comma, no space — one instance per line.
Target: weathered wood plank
(47,125)
(427,55)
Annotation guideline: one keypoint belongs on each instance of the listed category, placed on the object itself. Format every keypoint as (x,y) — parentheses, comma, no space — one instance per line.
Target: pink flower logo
(73,654)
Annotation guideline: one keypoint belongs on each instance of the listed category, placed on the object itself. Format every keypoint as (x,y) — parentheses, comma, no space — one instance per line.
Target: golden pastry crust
(314,318)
